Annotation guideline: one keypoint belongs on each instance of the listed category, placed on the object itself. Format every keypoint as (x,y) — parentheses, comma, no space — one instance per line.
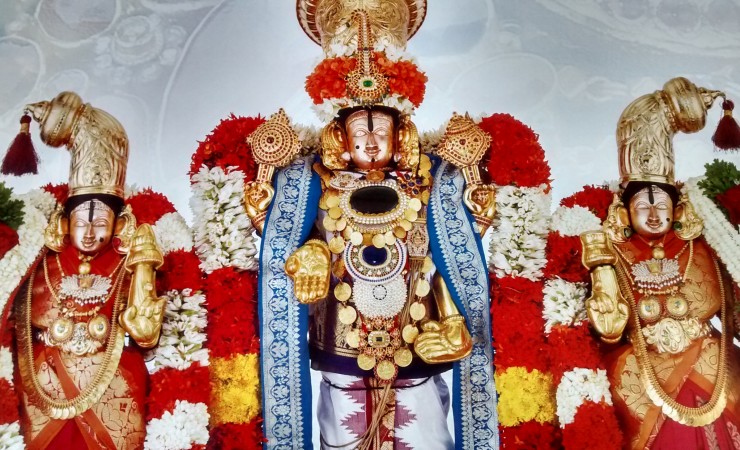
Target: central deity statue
(371,263)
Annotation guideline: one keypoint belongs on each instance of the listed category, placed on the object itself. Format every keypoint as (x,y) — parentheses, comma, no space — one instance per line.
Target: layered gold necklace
(682,414)
(91,394)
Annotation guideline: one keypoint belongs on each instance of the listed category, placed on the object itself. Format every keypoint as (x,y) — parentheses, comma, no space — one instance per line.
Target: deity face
(371,144)
(651,212)
(91,226)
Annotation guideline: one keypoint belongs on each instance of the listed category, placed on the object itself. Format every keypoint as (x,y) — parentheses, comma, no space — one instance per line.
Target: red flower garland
(329,79)
(227,146)
(530,435)
(149,206)
(233,436)
(169,385)
(519,302)
(564,259)
(8,403)
(59,191)
(516,156)
(595,427)
(730,201)
(572,347)
(232,307)
(8,238)
(594,198)
(180,271)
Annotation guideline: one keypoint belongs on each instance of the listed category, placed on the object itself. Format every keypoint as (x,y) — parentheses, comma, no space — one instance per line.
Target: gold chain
(55,296)
(67,408)
(685,415)
(625,261)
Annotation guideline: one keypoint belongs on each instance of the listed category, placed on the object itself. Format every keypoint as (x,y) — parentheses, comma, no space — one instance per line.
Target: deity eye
(381,131)
(80,223)
(360,133)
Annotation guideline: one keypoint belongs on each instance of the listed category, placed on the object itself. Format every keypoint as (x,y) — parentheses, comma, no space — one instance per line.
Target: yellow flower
(236,389)
(524,396)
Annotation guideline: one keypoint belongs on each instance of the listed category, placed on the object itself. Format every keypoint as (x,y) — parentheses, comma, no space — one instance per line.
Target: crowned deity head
(651,210)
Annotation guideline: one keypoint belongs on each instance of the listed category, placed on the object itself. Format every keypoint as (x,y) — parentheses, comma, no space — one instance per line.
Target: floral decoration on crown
(327,85)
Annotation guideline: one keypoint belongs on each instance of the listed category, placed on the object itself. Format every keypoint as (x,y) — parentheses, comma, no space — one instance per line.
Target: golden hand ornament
(143,316)
(257,198)
(607,312)
(481,201)
(445,341)
(143,322)
(309,268)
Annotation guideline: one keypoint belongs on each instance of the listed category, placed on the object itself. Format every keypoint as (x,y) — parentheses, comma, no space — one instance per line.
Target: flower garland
(719,233)
(226,247)
(327,84)
(584,406)
(517,256)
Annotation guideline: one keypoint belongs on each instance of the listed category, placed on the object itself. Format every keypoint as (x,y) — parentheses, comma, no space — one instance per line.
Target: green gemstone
(367,83)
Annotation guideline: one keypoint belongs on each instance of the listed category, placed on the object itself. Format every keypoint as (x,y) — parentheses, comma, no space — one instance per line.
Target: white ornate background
(170,69)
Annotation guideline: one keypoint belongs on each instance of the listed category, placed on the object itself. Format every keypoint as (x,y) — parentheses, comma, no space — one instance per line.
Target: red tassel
(21,158)
(727,135)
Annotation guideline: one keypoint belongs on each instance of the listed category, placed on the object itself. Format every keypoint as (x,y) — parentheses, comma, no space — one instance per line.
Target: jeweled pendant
(658,252)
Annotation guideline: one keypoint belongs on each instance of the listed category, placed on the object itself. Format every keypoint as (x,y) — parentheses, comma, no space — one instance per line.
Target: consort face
(91,226)
(651,212)
(370,141)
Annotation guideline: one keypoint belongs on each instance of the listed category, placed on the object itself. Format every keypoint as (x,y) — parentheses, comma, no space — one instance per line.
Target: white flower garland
(719,233)
(183,333)
(10,437)
(173,233)
(15,263)
(519,234)
(328,109)
(563,303)
(185,426)
(310,138)
(382,45)
(576,387)
(223,232)
(6,364)
(574,221)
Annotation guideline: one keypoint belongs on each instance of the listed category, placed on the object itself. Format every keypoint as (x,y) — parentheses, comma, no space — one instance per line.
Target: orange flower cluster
(329,78)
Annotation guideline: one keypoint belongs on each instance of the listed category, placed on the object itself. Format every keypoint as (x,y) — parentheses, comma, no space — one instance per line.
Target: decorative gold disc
(347,315)
(379,241)
(366,362)
(677,305)
(403,357)
(61,329)
(415,204)
(335,212)
(332,200)
(98,327)
(390,238)
(406,225)
(422,288)
(352,338)
(338,269)
(375,175)
(329,224)
(427,265)
(336,245)
(649,308)
(341,224)
(409,333)
(343,292)
(386,370)
(83,268)
(417,311)
(658,252)
(410,215)
(399,232)
(356,238)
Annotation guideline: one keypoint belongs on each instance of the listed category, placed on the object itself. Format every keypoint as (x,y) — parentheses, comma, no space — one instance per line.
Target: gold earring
(617,223)
(55,233)
(408,144)
(333,146)
(124,230)
(686,223)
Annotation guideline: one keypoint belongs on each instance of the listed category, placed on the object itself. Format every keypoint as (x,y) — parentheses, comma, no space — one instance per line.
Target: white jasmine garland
(519,233)
(183,333)
(223,232)
(576,387)
(429,140)
(563,303)
(185,426)
(719,233)
(10,437)
(15,263)
(574,221)
(328,109)
(44,201)
(6,364)
(310,138)
(173,233)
